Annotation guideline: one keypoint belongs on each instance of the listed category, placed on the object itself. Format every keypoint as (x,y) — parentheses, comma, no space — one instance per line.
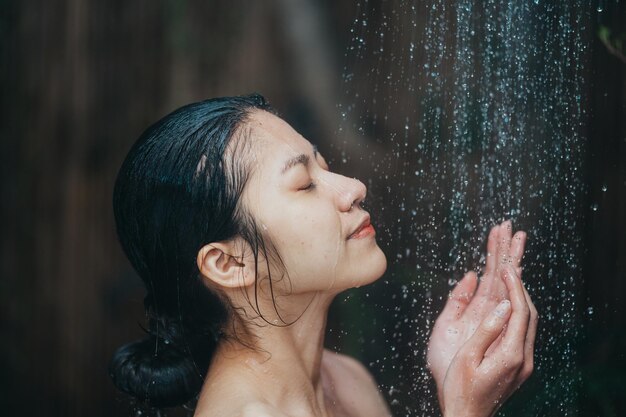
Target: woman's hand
(484,374)
(466,306)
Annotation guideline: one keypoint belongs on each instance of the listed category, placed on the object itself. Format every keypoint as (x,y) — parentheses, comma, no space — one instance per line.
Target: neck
(288,355)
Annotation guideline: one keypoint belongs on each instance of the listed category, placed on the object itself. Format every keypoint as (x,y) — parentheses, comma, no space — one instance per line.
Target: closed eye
(308,187)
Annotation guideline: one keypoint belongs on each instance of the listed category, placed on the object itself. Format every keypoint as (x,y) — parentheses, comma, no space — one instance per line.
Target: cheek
(310,232)
(311,241)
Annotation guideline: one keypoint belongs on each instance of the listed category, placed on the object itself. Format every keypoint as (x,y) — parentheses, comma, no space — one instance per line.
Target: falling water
(481,107)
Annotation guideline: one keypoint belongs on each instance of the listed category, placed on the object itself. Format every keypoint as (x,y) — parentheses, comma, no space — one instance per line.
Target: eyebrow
(300,159)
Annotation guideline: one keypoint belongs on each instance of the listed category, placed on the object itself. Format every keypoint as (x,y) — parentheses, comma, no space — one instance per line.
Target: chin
(382,265)
(374,268)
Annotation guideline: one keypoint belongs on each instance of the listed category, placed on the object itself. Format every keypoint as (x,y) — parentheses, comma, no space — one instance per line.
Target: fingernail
(503,308)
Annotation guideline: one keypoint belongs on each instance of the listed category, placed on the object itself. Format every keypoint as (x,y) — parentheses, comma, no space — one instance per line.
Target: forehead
(275,142)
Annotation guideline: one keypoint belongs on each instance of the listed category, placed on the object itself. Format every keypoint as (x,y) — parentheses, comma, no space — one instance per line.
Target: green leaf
(604,33)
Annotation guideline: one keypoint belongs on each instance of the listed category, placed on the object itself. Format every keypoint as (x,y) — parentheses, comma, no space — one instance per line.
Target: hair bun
(156,372)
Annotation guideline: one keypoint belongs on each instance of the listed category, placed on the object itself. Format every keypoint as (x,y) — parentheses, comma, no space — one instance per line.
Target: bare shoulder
(259,409)
(347,366)
(251,409)
(354,385)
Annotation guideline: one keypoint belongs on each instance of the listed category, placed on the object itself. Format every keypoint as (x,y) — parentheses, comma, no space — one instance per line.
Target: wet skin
(310,213)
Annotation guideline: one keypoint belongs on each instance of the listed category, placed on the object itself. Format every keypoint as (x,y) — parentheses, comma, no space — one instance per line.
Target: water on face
(480,105)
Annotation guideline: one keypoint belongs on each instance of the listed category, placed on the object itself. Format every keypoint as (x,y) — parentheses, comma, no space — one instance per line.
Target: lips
(364,224)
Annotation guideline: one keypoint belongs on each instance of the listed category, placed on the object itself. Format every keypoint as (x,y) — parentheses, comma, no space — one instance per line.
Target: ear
(220,263)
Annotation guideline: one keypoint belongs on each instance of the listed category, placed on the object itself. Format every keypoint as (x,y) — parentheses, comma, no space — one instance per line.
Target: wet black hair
(177,191)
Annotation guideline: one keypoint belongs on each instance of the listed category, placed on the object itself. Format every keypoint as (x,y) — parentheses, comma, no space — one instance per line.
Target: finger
(518,324)
(491,286)
(517,248)
(460,296)
(529,344)
(492,348)
(492,247)
(504,243)
(487,333)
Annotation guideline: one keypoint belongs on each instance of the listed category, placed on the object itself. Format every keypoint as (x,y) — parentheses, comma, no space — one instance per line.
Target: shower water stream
(481,106)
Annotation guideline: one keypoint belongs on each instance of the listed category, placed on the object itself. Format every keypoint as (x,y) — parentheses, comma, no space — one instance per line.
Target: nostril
(352,192)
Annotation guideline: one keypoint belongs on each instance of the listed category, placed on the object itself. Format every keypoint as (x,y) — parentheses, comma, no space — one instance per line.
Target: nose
(351,192)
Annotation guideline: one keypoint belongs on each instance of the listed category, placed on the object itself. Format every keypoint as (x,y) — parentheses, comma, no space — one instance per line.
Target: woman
(243,237)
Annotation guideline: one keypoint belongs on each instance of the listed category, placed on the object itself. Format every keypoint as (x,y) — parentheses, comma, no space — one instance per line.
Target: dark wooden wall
(80,81)
(602,352)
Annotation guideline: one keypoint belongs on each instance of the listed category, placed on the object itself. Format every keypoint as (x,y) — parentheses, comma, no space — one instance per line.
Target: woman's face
(308,211)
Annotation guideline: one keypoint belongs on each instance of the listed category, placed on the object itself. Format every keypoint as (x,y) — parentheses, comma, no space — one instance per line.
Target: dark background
(80,80)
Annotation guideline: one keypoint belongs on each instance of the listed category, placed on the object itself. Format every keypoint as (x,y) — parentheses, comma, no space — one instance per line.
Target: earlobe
(218,264)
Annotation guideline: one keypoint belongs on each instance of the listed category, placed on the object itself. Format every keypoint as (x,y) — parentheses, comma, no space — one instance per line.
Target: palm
(467,305)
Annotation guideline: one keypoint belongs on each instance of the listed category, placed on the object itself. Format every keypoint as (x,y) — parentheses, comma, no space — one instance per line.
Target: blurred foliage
(615,43)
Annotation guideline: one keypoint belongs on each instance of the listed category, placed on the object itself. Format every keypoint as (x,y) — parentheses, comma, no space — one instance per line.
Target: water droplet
(604,188)
(464,131)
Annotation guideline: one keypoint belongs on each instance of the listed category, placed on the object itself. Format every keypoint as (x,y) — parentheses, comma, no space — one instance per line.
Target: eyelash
(308,187)
(311,186)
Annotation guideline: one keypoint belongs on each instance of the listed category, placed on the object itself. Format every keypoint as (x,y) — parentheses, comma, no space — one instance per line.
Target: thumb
(488,331)
(460,296)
